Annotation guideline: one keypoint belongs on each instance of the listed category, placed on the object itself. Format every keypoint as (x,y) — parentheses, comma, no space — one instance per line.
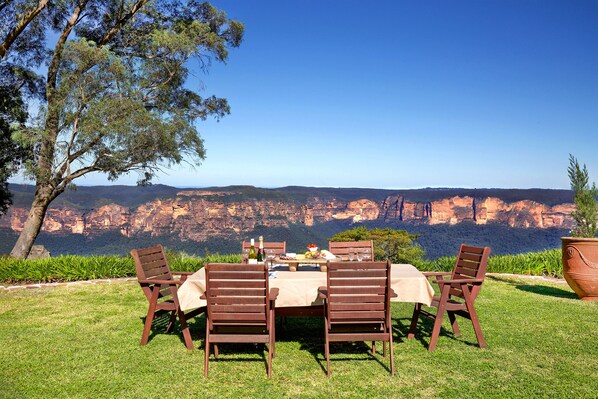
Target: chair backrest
(342,248)
(237,294)
(471,263)
(150,263)
(279,247)
(358,292)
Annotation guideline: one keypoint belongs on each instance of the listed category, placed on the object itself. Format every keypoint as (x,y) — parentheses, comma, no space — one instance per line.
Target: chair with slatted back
(343,248)
(457,294)
(160,288)
(240,307)
(357,305)
(279,247)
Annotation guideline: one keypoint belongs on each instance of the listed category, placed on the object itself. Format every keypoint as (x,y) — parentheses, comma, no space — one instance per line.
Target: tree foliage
(118,98)
(396,245)
(586,205)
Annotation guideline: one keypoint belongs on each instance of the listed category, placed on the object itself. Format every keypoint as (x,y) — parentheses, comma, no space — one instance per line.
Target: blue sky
(396,94)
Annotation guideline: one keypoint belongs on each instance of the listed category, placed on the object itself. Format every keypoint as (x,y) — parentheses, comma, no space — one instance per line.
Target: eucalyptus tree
(116,94)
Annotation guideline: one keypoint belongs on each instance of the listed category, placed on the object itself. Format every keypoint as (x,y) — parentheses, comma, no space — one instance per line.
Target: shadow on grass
(423,331)
(537,288)
(309,333)
(546,290)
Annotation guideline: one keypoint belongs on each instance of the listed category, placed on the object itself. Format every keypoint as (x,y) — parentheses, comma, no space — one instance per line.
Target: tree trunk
(33,224)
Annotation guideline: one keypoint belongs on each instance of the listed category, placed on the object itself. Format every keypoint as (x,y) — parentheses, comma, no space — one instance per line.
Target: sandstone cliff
(199,214)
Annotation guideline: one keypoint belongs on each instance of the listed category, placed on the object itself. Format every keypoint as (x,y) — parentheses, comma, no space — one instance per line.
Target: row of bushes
(545,263)
(74,268)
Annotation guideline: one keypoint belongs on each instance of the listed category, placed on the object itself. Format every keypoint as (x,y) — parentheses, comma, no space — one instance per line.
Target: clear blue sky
(397,94)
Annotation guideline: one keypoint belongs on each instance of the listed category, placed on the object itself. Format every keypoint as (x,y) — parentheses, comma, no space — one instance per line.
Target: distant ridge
(130,196)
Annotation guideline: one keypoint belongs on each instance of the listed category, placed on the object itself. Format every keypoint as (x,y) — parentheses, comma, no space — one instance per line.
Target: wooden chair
(457,294)
(278,247)
(160,288)
(342,248)
(357,305)
(240,307)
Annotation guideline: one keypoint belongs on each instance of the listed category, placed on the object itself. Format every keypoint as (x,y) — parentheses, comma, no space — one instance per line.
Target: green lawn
(84,342)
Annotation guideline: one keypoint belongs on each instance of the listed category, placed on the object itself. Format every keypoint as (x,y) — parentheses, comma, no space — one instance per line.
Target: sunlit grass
(83,341)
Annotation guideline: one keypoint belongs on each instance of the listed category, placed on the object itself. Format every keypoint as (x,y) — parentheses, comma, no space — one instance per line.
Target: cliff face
(199,214)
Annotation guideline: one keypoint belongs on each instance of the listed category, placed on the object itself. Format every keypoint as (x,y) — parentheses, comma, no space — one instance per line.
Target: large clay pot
(580,266)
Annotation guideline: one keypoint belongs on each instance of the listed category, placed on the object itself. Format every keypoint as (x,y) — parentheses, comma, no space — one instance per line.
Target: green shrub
(545,263)
(74,268)
(396,245)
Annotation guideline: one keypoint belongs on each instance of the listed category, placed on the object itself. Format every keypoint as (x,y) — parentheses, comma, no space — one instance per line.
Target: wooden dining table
(298,291)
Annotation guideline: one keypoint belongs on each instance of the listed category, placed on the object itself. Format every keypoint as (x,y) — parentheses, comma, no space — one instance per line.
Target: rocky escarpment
(199,214)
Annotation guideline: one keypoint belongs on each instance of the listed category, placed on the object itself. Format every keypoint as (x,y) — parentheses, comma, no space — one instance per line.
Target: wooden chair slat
(236,275)
(142,252)
(357,290)
(217,307)
(158,273)
(465,272)
(234,299)
(238,318)
(355,315)
(355,282)
(231,291)
(361,273)
(354,305)
(238,284)
(357,298)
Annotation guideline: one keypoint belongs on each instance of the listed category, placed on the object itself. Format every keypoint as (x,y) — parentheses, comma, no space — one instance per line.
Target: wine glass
(366,254)
(245,255)
(270,255)
(351,254)
(359,256)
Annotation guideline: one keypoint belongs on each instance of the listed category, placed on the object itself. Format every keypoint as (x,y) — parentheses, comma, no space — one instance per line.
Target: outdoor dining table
(299,290)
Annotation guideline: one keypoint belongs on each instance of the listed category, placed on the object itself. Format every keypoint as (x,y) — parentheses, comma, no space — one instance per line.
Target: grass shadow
(539,289)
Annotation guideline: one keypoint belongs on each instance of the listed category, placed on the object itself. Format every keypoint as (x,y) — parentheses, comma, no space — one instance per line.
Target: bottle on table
(252,256)
(260,252)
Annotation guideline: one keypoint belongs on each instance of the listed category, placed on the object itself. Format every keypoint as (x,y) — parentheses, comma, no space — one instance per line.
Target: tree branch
(120,23)
(21,25)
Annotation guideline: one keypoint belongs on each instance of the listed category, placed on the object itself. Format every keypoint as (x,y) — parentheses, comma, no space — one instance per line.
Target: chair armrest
(393,294)
(183,273)
(461,281)
(157,281)
(323,292)
(436,274)
(203,296)
(273,294)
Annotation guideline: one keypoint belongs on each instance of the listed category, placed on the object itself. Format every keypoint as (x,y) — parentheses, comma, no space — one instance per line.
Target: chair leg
(476,324)
(216,353)
(454,324)
(414,319)
(185,329)
(171,321)
(150,316)
(390,347)
(327,348)
(206,351)
(436,328)
(373,347)
(270,353)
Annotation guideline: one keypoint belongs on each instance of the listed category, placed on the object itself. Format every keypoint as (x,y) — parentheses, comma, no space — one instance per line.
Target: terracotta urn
(580,266)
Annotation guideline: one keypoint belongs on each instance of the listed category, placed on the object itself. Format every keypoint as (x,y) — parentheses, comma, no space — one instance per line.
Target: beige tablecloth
(301,288)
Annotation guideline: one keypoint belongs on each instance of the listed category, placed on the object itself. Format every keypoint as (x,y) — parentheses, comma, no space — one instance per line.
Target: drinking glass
(245,255)
(351,254)
(270,255)
(366,255)
(359,256)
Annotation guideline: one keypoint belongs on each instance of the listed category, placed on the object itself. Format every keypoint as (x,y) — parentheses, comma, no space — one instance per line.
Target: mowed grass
(83,342)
